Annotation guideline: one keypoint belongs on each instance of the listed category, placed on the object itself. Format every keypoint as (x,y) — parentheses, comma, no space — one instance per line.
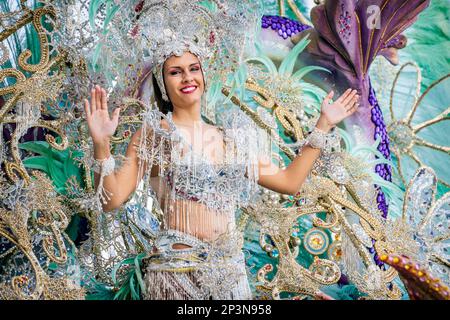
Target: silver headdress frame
(214,31)
(178,48)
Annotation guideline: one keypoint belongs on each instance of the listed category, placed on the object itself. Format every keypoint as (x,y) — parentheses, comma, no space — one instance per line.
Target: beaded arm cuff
(318,139)
(104,168)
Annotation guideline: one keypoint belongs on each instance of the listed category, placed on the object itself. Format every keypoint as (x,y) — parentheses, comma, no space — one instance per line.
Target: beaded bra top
(192,176)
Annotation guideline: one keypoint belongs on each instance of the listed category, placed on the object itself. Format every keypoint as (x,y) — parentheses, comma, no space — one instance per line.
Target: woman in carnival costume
(201,173)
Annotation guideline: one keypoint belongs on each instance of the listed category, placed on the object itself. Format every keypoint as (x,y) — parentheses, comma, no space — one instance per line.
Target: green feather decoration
(287,65)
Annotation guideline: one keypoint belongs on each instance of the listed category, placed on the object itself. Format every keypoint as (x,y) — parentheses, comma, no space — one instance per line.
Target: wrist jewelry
(105,166)
(319,139)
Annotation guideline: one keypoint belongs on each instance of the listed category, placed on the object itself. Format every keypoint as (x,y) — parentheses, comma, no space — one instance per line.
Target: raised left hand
(344,106)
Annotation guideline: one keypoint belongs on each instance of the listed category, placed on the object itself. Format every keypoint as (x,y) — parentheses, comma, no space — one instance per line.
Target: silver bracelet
(319,139)
(104,167)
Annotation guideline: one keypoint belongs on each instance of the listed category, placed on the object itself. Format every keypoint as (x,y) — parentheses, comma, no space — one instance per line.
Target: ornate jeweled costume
(57,243)
(198,198)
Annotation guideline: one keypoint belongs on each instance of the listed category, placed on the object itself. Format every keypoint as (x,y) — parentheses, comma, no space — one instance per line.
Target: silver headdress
(214,31)
(181,26)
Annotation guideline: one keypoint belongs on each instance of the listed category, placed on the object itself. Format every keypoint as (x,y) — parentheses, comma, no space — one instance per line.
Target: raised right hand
(101,126)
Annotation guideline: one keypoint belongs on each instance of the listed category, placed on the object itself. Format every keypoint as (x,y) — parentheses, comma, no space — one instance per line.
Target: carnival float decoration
(365,225)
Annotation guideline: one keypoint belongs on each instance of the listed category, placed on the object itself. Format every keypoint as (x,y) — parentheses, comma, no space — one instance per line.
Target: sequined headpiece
(214,31)
(174,45)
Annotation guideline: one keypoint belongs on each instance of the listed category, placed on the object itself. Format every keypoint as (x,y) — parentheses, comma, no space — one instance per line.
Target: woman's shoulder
(164,124)
(215,127)
(158,123)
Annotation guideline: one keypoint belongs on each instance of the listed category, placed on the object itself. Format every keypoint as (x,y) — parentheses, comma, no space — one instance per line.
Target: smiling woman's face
(183,79)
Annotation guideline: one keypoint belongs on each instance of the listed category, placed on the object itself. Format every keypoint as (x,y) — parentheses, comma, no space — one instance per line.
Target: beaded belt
(166,258)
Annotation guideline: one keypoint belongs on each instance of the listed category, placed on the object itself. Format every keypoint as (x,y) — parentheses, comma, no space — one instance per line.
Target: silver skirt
(203,271)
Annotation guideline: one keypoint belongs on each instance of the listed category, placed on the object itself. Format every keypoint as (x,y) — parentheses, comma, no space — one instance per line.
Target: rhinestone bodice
(192,176)
(219,186)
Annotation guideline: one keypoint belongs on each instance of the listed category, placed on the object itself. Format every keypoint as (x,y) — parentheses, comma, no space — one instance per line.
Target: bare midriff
(196,219)
(192,217)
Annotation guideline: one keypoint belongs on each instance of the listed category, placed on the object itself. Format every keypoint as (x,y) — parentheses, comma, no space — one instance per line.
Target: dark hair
(164,106)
